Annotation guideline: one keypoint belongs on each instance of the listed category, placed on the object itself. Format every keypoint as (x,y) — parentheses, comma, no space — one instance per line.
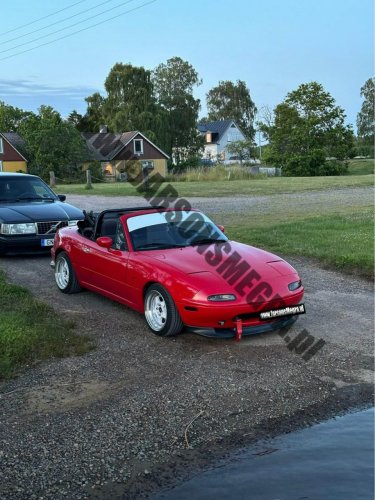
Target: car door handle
(86,250)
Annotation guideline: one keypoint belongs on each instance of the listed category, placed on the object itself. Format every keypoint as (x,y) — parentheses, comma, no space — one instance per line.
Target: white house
(217,136)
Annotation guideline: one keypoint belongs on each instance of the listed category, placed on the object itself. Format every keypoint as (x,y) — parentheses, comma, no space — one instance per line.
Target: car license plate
(47,242)
(285,311)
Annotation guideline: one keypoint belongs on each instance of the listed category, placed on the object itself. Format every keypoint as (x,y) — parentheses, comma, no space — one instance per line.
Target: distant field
(261,186)
(361,167)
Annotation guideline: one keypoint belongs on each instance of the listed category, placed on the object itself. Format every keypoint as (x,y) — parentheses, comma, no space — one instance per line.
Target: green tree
(366,118)
(129,104)
(94,116)
(244,150)
(11,118)
(52,144)
(232,101)
(174,83)
(307,129)
(75,118)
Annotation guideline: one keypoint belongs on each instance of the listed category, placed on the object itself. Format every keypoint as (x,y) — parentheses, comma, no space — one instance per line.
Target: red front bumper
(226,314)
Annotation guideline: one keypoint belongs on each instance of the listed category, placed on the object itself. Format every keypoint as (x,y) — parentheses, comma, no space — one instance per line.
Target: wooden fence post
(52,179)
(88,179)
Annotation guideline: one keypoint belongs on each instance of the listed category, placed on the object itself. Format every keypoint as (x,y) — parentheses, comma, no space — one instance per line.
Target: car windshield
(17,189)
(172,229)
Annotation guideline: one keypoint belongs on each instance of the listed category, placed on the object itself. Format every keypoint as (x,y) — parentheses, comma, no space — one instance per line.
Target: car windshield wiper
(158,246)
(175,245)
(39,198)
(10,200)
(207,241)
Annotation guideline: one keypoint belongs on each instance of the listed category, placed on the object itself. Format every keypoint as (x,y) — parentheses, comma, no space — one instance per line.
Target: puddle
(330,461)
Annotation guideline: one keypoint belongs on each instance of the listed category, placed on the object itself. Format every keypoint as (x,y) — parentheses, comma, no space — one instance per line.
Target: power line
(75,32)
(56,22)
(41,18)
(66,27)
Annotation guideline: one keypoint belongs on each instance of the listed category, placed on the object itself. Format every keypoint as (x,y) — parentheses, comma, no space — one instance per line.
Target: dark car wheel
(65,276)
(161,313)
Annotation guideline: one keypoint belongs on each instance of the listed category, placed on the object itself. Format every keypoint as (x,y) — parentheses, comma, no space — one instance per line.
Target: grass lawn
(261,186)
(342,241)
(31,331)
(361,166)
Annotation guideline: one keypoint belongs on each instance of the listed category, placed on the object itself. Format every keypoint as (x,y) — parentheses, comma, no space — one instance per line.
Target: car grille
(51,227)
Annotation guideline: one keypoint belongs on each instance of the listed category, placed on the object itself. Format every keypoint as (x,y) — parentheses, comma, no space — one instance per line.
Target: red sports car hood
(209,258)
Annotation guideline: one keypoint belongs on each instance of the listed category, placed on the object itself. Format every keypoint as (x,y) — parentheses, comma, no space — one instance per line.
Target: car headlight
(27,228)
(293,286)
(221,297)
(73,222)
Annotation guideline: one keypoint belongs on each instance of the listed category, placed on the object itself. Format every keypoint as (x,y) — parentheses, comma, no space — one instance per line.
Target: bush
(304,165)
(313,163)
(364,150)
(190,163)
(333,167)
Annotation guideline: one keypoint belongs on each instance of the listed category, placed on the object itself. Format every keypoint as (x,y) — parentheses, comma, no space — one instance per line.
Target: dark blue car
(31,213)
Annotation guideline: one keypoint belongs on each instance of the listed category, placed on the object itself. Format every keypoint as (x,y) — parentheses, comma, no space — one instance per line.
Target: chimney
(103,129)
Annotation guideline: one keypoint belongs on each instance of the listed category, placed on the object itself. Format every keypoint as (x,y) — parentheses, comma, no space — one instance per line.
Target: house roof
(16,142)
(219,127)
(106,146)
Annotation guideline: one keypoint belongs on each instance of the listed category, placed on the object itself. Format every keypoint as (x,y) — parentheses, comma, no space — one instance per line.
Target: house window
(107,168)
(138,146)
(1,145)
(149,165)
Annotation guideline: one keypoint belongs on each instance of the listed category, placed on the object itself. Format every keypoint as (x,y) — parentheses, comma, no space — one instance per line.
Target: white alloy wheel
(65,276)
(62,273)
(161,313)
(156,311)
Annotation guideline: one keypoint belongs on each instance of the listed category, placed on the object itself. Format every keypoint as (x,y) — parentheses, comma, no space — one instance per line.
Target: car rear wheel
(65,276)
(161,313)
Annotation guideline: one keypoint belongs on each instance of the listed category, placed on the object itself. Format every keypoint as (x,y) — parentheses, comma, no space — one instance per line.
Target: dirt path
(101,425)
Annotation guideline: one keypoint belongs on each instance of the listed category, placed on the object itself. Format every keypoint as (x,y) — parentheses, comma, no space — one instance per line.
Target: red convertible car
(180,270)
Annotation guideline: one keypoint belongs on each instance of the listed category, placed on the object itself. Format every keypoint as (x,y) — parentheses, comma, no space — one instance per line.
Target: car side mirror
(104,241)
(222,228)
(61,197)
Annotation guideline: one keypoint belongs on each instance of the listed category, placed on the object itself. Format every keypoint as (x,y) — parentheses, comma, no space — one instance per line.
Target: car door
(105,269)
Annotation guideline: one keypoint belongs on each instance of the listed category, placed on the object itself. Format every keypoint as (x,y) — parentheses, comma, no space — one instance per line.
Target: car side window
(120,239)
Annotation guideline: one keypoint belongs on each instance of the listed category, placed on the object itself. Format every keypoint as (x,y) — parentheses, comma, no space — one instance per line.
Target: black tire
(161,313)
(65,276)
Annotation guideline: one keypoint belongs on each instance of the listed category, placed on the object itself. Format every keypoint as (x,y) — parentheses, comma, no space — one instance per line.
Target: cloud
(30,88)
(29,94)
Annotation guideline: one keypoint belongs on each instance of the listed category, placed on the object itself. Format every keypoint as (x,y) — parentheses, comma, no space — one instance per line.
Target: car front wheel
(161,313)
(65,276)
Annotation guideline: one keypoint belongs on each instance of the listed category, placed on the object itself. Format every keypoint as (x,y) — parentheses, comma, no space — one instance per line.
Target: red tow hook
(238,329)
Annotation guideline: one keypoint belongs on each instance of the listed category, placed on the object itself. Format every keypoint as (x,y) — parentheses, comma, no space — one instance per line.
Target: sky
(272,45)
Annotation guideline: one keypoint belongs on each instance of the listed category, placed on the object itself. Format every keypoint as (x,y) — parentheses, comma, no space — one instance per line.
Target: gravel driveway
(306,202)
(117,422)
